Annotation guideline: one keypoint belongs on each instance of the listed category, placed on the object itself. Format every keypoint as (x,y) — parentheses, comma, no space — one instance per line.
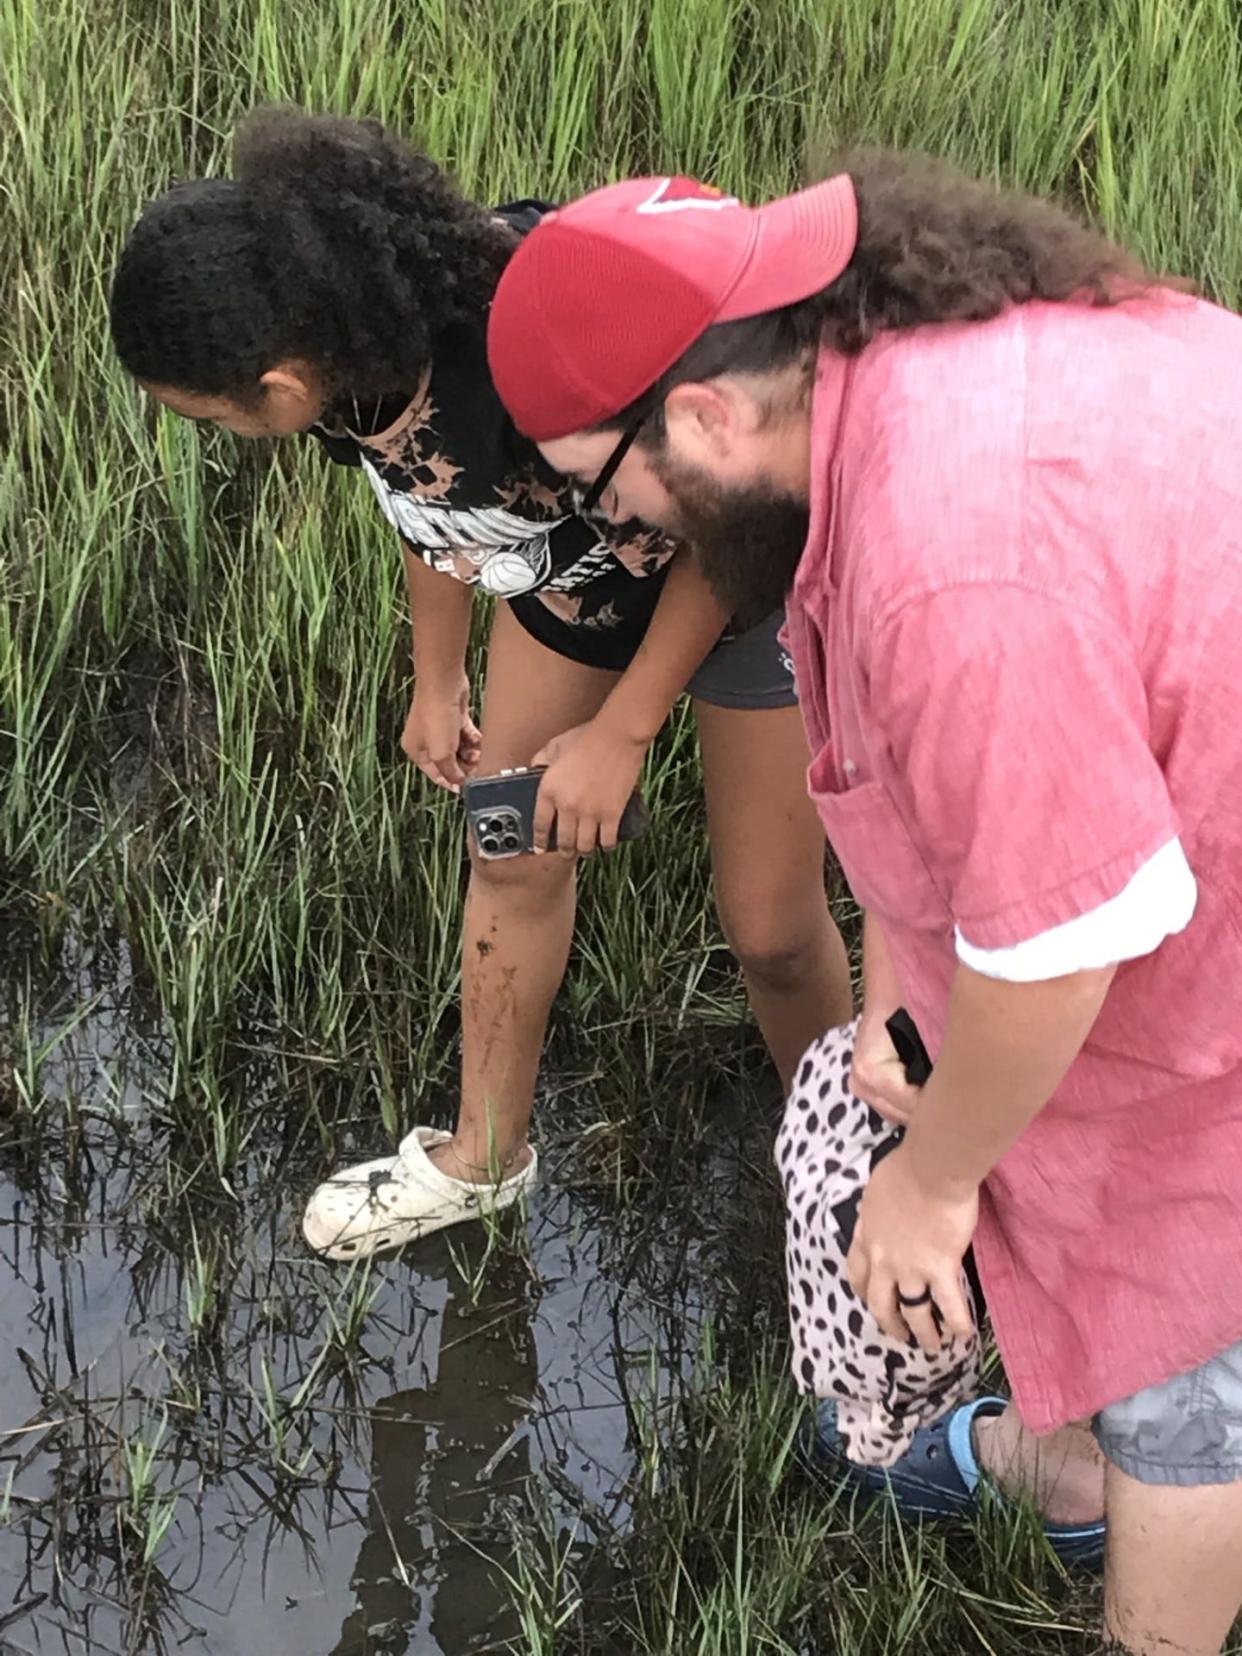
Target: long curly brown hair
(333,241)
(934,245)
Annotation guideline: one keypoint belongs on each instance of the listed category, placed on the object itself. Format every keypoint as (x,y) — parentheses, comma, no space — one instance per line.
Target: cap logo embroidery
(673,195)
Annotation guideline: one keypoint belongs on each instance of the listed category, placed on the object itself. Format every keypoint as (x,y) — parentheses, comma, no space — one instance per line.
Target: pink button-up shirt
(1017,632)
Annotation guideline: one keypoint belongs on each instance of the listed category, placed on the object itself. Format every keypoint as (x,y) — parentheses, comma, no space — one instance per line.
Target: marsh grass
(203,678)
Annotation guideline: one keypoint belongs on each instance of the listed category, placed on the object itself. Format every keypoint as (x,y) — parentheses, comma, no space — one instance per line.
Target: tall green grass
(202,667)
(202,673)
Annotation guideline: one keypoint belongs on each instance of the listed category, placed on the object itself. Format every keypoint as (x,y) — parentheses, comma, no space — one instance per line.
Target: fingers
(954,1307)
(895,1115)
(882,1084)
(445,774)
(588,835)
(576,835)
(566,832)
(450,770)
(899,1322)
(545,816)
(920,1320)
(944,1313)
(444,751)
(882,1303)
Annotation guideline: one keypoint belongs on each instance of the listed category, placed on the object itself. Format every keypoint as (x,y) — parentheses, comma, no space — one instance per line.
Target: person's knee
(774,950)
(536,879)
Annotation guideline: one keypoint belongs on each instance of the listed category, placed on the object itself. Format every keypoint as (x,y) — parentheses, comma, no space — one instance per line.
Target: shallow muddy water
(212,1442)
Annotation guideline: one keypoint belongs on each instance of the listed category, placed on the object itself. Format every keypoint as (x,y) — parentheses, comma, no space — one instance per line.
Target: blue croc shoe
(938,1476)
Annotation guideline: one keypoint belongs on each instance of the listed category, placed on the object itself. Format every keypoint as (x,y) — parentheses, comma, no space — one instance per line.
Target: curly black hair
(334,242)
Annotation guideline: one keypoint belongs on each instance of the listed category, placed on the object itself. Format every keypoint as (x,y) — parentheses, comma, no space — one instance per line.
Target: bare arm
(593,769)
(440,735)
(687,623)
(1006,1049)
(440,611)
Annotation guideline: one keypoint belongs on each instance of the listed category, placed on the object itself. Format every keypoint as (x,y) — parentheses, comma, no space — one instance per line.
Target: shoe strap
(960,1440)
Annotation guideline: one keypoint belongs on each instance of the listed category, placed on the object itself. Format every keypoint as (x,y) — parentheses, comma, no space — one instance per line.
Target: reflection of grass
(254,1381)
(202,681)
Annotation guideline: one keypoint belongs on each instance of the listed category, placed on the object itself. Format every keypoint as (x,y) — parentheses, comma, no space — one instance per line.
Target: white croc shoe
(386,1203)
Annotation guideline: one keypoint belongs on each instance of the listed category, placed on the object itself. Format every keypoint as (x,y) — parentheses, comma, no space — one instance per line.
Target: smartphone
(903,1033)
(501,812)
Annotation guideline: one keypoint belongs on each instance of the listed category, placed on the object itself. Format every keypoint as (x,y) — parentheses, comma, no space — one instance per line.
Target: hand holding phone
(500,810)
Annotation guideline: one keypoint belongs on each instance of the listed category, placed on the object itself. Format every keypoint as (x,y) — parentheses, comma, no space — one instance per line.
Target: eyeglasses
(586,501)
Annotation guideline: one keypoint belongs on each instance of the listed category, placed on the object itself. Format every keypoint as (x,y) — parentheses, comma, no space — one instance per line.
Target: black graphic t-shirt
(475,500)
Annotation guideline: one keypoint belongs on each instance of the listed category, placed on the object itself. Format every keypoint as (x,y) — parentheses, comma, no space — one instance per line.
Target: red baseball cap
(604,295)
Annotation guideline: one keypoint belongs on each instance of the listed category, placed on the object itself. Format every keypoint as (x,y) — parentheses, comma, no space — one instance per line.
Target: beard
(746,541)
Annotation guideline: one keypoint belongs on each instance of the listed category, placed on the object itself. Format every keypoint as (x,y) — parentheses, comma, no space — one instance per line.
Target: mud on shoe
(384,1204)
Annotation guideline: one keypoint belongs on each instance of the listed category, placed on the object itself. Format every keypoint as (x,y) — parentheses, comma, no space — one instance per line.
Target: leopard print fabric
(884,1389)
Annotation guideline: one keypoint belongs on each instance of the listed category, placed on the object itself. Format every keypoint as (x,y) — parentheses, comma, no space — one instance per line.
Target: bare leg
(1173,1582)
(768,866)
(1062,1474)
(519,914)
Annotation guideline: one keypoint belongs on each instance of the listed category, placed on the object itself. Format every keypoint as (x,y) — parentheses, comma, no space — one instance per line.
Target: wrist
(939,1176)
(629,721)
(878,1005)
(439,678)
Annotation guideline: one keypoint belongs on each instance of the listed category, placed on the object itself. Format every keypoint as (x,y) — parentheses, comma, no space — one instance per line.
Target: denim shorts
(1187,1430)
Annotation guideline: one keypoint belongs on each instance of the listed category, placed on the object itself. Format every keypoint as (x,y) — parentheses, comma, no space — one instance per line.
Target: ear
(293,397)
(703,419)
(294,380)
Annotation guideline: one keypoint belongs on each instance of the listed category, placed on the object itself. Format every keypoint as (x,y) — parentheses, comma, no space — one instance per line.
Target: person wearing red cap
(996,467)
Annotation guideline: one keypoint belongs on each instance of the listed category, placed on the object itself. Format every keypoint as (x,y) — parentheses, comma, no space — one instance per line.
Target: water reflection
(327,1493)
(446,1455)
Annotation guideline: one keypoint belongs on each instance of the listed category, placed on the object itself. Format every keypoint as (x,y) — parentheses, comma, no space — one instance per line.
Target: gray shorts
(750,670)
(1187,1430)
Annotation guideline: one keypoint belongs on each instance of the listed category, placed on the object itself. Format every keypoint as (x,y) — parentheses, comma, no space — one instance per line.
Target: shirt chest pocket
(884,867)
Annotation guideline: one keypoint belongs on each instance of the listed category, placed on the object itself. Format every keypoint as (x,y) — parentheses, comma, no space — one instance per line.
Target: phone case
(501,812)
(903,1033)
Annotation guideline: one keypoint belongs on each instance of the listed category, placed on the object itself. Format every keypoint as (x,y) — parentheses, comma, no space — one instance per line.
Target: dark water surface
(294,1458)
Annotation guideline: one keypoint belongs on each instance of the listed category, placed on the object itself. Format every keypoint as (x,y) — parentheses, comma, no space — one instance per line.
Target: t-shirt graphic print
(474,499)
